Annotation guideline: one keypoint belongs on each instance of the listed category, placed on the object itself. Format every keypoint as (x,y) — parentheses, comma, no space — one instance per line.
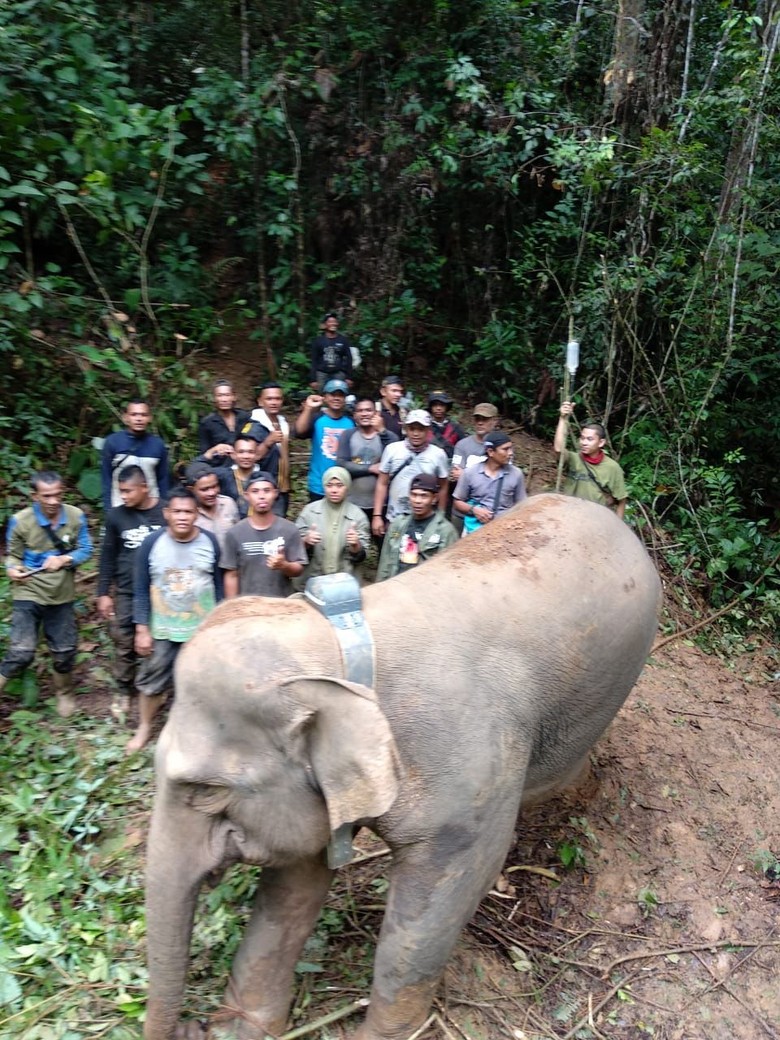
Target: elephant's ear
(351,747)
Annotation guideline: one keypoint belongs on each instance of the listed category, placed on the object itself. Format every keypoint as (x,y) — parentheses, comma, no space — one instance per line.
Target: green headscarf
(333,516)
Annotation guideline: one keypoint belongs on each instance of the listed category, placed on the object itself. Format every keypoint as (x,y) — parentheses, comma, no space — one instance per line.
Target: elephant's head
(257,763)
(305,756)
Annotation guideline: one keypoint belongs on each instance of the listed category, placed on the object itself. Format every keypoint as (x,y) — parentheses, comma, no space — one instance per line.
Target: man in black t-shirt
(264,552)
(127,526)
(331,355)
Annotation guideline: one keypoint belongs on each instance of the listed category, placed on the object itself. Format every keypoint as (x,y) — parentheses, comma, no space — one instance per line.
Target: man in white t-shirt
(402,461)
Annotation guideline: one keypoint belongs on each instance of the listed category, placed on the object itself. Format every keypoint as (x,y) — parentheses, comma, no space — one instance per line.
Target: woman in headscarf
(334,531)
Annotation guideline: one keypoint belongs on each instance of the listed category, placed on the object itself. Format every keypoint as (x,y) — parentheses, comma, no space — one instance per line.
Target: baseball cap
(418,415)
(261,477)
(424,482)
(485,410)
(335,386)
(496,439)
(195,471)
(439,395)
(392,381)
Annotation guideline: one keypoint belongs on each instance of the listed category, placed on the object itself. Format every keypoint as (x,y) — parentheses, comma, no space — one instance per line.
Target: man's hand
(483,514)
(17,573)
(377,526)
(378,423)
(274,437)
(55,563)
(219,449)
(143,640)
(277,561)
(567,409)
(455,473)
(105,607)
(313,401)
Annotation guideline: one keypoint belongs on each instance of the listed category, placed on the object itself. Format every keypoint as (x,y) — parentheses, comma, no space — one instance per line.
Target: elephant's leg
(287,904)
(434,890)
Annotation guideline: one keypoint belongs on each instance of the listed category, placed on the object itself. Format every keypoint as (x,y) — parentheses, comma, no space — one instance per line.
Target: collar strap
(337,598)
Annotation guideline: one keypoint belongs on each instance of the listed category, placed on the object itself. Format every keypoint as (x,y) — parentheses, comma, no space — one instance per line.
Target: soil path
(667,924)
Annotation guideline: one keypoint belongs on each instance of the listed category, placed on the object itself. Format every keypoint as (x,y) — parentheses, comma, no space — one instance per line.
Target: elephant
(496,666)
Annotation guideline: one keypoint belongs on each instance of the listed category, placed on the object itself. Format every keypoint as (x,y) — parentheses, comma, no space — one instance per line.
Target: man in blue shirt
(324,420)
(46,542)
(133,446)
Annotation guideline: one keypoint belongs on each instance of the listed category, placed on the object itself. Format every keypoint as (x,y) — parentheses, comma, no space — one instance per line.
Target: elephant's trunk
(174,874)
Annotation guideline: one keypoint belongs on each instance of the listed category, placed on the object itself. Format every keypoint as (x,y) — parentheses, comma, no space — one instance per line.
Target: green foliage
(647,900)
(571,851)
(469,184)
(71,903)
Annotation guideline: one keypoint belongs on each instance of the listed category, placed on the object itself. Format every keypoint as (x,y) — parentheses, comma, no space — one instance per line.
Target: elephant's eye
(207,798)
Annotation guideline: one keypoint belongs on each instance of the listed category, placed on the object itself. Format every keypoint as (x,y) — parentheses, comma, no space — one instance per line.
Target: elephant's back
(544,556)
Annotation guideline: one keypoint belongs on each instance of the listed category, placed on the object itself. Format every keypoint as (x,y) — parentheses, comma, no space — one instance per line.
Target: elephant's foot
(229,1026)
(234,1021)
(400,1018)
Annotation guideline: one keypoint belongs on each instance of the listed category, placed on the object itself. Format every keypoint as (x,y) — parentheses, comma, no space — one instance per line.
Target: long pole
(569,368)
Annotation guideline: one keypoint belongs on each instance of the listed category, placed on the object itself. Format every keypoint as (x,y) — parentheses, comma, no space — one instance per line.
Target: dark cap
(424,482)
(392,381)
(487,411)
(252,431)
(195,472)
(262,477)
(496,439)
(439,395)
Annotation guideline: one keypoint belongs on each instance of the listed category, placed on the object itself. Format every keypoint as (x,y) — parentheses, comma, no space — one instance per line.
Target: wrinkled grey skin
(497,667)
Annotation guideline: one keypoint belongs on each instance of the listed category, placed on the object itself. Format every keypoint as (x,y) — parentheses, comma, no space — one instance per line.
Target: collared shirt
(221,520)
(213,429)
(478,486)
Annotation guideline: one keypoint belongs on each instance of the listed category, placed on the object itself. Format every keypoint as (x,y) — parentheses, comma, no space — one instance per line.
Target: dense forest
(469,184)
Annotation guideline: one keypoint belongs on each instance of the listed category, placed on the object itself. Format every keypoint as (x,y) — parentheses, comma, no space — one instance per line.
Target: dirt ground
(671,928)
(667,924)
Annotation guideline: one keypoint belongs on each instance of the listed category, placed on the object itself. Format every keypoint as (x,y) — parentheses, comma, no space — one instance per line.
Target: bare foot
(139,739)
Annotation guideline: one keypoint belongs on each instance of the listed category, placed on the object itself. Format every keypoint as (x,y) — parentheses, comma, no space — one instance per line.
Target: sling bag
(610,498)
(470,523)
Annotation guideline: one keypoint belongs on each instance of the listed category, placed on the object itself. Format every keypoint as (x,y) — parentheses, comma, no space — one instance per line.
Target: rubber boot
(63,687)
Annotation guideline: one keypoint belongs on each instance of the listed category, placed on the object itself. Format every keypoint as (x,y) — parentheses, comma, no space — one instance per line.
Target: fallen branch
(718,613)
(746,943)
(326,1020)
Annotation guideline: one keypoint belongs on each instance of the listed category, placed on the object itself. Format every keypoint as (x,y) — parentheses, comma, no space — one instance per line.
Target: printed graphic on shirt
(134,536)
(329,443)
(269,548)
(409,554)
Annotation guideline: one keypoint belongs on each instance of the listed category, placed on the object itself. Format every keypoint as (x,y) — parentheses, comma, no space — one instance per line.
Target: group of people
(410,481)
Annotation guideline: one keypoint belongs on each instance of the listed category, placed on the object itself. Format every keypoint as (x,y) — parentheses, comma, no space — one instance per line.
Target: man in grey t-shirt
(263,553)
(360,451)
(471,449)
